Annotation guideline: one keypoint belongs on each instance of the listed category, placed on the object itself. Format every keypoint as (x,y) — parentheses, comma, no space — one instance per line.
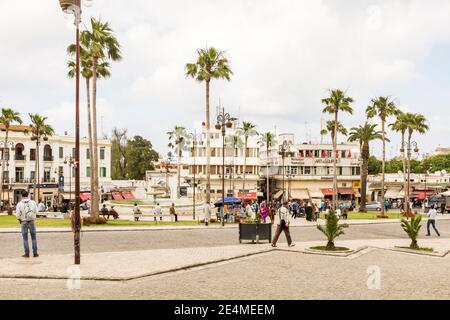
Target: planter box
(255,232)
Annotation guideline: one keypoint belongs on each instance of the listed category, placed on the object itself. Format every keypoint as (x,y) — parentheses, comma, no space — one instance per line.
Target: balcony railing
(20,157)
(48,158)
(28,180)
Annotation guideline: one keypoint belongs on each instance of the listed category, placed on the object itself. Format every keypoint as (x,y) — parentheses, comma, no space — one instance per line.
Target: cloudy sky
(285,55)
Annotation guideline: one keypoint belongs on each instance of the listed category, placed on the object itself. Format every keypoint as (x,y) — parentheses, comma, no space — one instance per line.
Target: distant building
(440,151)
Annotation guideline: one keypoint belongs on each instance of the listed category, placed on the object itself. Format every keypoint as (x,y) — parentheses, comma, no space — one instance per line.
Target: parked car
(373,206)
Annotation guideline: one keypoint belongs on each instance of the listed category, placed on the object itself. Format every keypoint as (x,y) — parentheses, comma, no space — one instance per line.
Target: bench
(109,213)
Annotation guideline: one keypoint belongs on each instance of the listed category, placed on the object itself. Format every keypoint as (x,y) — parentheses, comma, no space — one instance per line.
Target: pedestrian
(432,221)
(136,212)
(282,220)
(41,206)
(157,211)
(442,208)
(26,211)
(172,212)
(264,211)
(272,213)
(207,213)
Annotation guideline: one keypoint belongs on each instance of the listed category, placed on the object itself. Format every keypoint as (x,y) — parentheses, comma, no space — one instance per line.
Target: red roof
(346,191)
(85,196)
(327,192)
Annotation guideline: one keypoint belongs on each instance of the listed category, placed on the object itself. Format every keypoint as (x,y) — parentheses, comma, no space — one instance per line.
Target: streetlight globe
(67,5)
(229,124)
(218,126)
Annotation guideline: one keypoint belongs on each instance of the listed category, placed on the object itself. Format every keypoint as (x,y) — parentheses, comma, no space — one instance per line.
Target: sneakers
(292,245)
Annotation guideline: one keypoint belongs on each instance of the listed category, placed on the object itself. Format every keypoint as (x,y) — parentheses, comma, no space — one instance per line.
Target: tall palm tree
(235,142)
(401,125)
(330,129)
(336,102)
(383,108)
(364,134)
(416,123)
(86,71)
(102,45)
(247,130)
(39,130)
(268,139)
(211,64)
(7,117)
(177,141)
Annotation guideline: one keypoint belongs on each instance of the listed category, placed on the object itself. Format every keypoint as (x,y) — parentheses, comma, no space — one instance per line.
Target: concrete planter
(255,232)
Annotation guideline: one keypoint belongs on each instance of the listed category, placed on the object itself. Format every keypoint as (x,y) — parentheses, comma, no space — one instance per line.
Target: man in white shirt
(207,213)
(432,221)
(157,212)
(26,211)
(41,206)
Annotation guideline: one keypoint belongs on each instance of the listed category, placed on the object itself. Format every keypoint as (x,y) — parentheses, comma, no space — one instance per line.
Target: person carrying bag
(282,221)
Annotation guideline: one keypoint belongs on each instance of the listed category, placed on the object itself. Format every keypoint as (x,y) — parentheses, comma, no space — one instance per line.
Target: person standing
(41,206)
(432,221)
(26,211)
(272,212)
(207,213)
(172,212)
(157,212)
(136,212)
(264,211)
(282,220)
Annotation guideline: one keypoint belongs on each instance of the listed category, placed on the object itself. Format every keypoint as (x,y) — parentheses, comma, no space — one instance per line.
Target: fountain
(157,191)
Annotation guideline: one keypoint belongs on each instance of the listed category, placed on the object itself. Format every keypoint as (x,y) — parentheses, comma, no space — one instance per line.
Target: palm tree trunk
(409,173)
(94,153)
(405,204)
(383,168)
(364,174)
(91,158)
(232,172)
(267,182)
(208,146)
(36,172)
(4,163)
(335,184)
(245,168)
(179,173)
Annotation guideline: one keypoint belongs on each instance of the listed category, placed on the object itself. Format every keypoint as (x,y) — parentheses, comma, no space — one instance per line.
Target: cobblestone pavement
(62,243)
(274,275)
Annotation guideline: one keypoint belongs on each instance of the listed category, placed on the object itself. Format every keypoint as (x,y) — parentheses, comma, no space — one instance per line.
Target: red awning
(346,191)
(116,196)
(127,195)
(327,192)
(422,195)
(248,196)
(85,196)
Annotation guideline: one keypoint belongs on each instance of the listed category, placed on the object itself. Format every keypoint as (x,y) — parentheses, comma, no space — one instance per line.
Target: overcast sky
(285,55)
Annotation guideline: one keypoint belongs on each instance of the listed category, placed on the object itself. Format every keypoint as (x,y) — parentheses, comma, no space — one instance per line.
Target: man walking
(26,214)
(158,212)
(172,212)
(207,213)
(282,220)
(432,221)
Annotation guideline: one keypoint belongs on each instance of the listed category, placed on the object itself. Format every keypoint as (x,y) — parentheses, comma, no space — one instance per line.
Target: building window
(61,171)
(103,172)
(307,170)
(32,175)
(316,153)
(47,175)
(61,152)
(88,153)
(19,174)
(102,153)
(73,152)
(32,154)
(88,172)
(74,171)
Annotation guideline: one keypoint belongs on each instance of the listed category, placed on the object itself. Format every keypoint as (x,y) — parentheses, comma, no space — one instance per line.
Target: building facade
(56,172)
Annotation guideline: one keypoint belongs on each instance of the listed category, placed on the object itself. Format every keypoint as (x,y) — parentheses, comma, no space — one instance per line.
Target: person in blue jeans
(26,211)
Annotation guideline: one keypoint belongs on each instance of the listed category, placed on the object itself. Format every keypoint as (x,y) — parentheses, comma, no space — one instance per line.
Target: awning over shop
(316,194)
(393,194)
(278,194)
(327,192)
(85,196)
(300,194)
(128,195)
(117,196)
(346,191)
(422,195)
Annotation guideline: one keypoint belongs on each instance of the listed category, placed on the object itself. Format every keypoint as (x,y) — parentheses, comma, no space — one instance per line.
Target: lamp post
(289,176)
(408,146)
(283,149)
(9,145)
(195,137)
(69,161)
(224,121)
(74,7)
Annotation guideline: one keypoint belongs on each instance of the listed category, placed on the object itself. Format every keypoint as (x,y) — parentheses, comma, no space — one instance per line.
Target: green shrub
(332,229)
(87,221)
(412,229)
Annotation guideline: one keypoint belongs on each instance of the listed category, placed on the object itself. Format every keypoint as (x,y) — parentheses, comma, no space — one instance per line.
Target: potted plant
(254,230)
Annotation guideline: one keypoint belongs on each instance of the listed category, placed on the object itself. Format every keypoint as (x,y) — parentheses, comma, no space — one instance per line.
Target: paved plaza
(211,264)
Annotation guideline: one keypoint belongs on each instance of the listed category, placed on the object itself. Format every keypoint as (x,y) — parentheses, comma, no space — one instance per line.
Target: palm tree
(39,129)
(7,117)
(383,108)
(415,123)
(247,130)
(234,141)
(401,125)
(210,64)
(412,229)
(330,129)
(102,45)
(86,71)
(364,134)
(268,139)
(177,141)
(332,229)
(337,101)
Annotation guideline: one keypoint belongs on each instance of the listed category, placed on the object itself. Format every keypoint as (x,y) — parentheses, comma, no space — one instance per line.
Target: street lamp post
(224,121)
(69,161)
(283,150)
(74,7)
(409,146)
(9,145)
(195,137)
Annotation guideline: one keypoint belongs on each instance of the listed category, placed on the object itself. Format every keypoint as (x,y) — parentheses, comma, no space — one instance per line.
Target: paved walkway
(119,266)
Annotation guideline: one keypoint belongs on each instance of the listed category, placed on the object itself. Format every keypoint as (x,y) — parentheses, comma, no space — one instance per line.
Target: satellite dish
(400,172)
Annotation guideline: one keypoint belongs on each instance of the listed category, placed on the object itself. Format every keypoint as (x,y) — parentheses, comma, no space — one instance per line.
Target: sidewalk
(122,266)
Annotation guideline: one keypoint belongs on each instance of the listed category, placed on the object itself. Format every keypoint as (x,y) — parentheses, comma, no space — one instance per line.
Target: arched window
(19,150)
(48,153)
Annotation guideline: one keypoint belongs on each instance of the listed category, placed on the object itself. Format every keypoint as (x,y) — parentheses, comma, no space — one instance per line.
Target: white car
(373,206)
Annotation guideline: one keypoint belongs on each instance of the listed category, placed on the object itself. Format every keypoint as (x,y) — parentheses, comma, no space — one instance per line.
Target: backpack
(27,212)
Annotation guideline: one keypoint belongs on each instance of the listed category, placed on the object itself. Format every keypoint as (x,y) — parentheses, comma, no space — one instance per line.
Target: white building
(56,172)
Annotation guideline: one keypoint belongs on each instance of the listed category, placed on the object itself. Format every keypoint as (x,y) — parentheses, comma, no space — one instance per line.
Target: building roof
(16,127)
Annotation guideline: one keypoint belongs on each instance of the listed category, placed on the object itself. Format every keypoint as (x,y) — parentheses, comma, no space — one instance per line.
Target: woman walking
(264,211)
